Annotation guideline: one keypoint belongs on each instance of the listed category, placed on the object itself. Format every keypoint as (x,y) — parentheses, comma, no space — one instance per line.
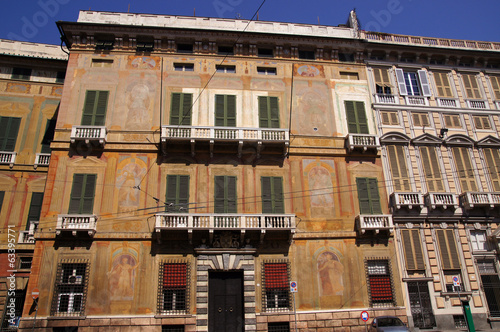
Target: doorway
(225,302)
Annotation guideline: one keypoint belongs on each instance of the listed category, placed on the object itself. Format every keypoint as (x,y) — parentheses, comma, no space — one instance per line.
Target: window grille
(70,288)
(380,286)
(459,321)
(276,290)
(278,327)
(173,295)
(25,262)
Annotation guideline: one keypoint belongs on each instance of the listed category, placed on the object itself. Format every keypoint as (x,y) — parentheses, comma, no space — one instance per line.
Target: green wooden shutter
(357,122)
(177,192)
(231,194)
(413,249)
(448,249)
(464,169)
(82,194)
(268,112)
(35,208)
(225,110)
(493,162)
(225,194)
(9,128)
(368,196)
(272,194)
(94,109)
(180,110)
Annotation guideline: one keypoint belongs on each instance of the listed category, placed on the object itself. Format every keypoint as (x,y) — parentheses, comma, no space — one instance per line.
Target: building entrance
(225,302)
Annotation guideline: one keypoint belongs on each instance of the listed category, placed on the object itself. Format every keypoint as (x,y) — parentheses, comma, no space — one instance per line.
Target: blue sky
(33,20)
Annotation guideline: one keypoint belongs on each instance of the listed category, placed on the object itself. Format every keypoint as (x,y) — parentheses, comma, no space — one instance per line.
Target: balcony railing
(471,200)
(407,199)
(224,133)
(88,134)
(362,141)
(444,200)
(28,237)
(76,223)
(386,99)
(7,158)
(42,159)
(416,100)
(477,104)
(377,223)
(447,102)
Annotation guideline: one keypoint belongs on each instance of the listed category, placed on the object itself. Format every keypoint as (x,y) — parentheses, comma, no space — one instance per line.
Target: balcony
(386,99)
(362,141)
(477,104)
(226,135)
(376,223)
(471,200)
(76,223)
(443,200)
(8,158)
(42,159)
(242,223)
(89,134)
(416,100)
(28,237)
(408,199)
(447,102)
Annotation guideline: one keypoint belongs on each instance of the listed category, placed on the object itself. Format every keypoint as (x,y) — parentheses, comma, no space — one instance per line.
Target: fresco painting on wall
(308,70)
(320,185)
(138,104)
(330,274)
(122,276)
(311,109)
(129,174)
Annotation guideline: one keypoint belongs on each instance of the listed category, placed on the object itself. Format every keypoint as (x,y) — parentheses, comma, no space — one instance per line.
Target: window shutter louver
(177,193)
(413,249)
(231,111)
(268,112)
(464,169)
(471,86)
(443,84)
(398,167)
(219,194)
(493,161)
(424,83)
(225,194)
(219,110)
(431,169)
(184,191)
(35,208)
(100,112)
(272,194)
(9,129)
(94,110)
(351,117)
(279,206)
(385,118)
(448,249)
(88,199)
(267,205)
(2,194)
(419,254)
(76,194)
(171,195)
(82,194)
(401,82)
(374,196)
(408,248)
(368,196)
(356,117)
(231,194)
(225,110)
(175,109)
(495,84)
(187,101)
(362,120)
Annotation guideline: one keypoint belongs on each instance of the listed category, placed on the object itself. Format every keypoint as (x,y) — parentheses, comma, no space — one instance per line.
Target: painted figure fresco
(330,272)
(320,184)
(122,277)
(129,177)
(139,101)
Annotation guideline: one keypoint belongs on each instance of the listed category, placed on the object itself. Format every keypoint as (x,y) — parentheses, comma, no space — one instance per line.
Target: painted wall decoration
(129,174)
(330,274)
(308,70)
(319,174)
(312,112)
(122,275)
(142,62)
(139,100)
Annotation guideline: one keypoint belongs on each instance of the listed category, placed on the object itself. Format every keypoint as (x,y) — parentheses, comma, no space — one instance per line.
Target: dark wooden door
(225,302)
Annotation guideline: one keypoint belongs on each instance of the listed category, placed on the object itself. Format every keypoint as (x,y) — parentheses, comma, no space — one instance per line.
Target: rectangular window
(379,283)
(266,70)
(102,63)
(184,48)
(183,66)
(276,286)
(443,86)
(225,194)
(21,73)
(145,46)
(104,45)
(399,170)
(344,75)
(412,244)
(225,50)
(174,287)
(448,249)
(269,112)
(382,81)
(368,196)
(432,171)
(35,209)
(452,121)
(225,69)
(491,285)
(357,122)
(495,84)
(471,86)
(82,194)
(225,110)
(94,110)
(48,136)
(346,57)
(177,197)
(265,52)
(15,311)
(180,109)
(9,128)
(464,169)
(306,55)
(493,162)
(420,119)
(272,194)
(60,77)
(413,83)
(390,118)
(482,122)
(25,262)
(70,289)
(478,240)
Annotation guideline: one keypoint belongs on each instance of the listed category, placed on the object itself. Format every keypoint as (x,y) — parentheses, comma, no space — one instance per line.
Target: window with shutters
(491,285)
(443,86)
(390,118)
(432,170)
(482,122)
(269,112)
(382,81)
(48,136)
(225,110)
(173,294)
(180,109)
(452,121)
(472,90)
(495,85)
(177,197)
(357,121)
(492,157)
(9,128)
(70,288)
(465,170)
(478,240)
(94,110)
(276,286)
(225,194)
(35,209)
(414,255)
(447,244)
(82,194)
(380,288)
(272,194)
(399,170)
(21,73)
(413,83)
(420,119)
(368,196)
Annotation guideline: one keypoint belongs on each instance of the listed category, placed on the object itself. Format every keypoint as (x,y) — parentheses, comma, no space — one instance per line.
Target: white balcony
(28,237)
(89,134)
(376,223)
(386,99)
(443,200)
(447,102)
(362,141)
(214,135)
(76,223)
(8,158)
(471,200)
(408,199)
(42,159)
(417,100)
(477,104)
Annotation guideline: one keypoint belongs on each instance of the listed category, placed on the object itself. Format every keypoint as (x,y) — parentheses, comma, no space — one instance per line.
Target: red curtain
(276,275)
(381,289)
(174,275)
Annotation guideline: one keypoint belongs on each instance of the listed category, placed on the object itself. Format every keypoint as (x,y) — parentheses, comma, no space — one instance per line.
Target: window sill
(66,317)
